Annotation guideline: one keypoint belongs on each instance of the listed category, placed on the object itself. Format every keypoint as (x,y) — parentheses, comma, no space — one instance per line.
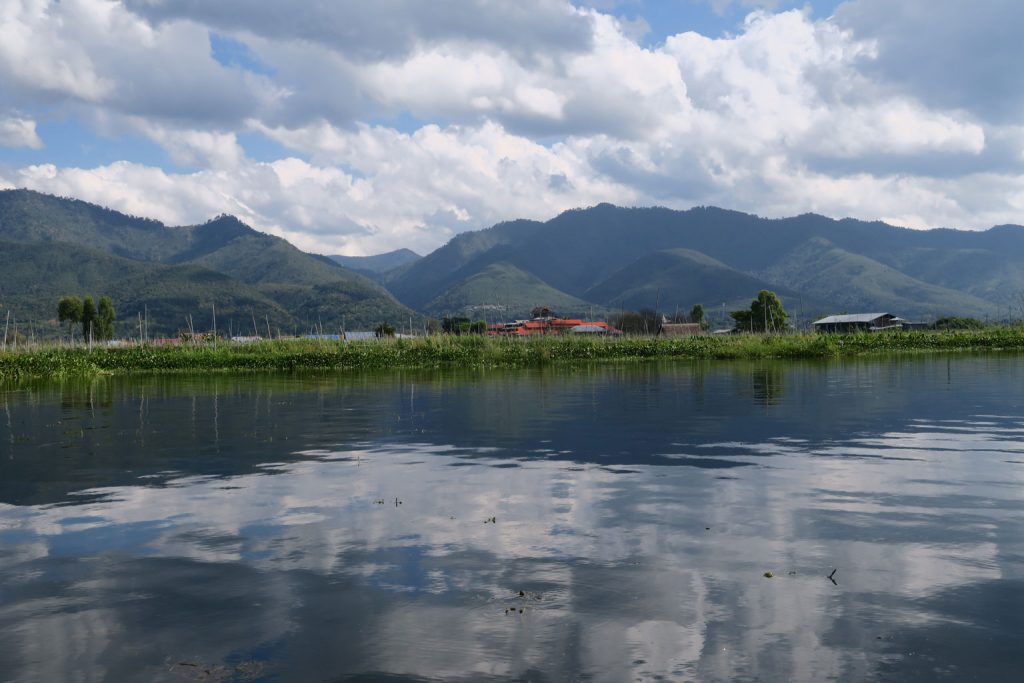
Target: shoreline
(473,351)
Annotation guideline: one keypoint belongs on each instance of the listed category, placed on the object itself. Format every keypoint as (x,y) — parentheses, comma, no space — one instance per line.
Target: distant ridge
(623,257)
(379,263)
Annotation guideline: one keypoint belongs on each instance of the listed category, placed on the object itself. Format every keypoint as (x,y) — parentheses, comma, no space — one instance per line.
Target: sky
(356,127)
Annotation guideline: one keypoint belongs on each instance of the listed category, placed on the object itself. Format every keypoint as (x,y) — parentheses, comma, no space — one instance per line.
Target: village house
(859,322)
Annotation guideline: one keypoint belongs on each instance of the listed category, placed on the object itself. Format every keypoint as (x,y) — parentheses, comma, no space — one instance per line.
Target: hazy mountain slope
(438,271)
(851,282)
(678,279)
(500,291)
(378,263)
(169,293)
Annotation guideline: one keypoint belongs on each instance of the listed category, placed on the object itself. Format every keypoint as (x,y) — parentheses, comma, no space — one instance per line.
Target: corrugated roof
(851,318)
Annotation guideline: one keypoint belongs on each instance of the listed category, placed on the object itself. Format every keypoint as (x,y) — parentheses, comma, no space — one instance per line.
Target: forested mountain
(55,247)
(582,262)
(640,257)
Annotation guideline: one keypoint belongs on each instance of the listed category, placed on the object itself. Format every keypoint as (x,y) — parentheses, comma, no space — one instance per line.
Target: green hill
(676,279)
(462,257)
(167,294)
(503,292)
(294,289)
(854,282)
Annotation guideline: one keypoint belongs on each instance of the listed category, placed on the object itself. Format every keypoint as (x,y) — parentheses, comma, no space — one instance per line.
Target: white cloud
(19,132)
(531,110)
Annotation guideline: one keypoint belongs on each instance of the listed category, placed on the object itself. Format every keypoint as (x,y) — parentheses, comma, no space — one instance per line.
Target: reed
(474,351)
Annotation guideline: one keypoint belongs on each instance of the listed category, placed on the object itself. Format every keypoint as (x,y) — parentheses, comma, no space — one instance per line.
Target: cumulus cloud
(519,110)
(946,53)
(19,132)
(386,30)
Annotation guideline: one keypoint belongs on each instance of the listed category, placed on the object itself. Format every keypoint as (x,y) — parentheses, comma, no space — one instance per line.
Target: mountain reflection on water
(337,527)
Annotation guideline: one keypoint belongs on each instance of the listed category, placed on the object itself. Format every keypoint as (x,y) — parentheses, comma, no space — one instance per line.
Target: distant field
(438,351)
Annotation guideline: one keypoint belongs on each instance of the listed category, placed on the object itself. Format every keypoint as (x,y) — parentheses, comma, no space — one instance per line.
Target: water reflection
(334,528)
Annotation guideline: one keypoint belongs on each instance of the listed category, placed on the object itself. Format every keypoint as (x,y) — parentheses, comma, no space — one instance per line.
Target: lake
(601,523)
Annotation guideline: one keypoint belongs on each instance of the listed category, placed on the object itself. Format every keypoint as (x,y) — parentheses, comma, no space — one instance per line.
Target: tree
(88,320)
(765,314)
(455,325)
(955,323)
(105,319)
(632,322)
(69,310)
(697,316)
(384,330)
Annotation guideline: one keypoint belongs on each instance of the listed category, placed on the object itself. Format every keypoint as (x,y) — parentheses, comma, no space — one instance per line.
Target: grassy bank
(482,352)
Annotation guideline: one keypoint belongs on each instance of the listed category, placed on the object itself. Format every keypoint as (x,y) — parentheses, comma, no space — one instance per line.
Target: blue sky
(362,127)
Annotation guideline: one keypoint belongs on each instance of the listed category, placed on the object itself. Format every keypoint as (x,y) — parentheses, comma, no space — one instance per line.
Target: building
(859,322)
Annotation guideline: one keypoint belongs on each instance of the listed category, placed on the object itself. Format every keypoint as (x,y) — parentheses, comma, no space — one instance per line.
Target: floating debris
(768,575)
(491,520)
(829,577)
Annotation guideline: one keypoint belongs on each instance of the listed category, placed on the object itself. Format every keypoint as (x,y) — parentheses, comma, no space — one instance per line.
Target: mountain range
(52,247)
(633,258)
(586,262)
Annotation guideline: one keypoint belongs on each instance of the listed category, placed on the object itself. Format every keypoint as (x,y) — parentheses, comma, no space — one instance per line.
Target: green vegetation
(503,291)
(480,351)
(697,316)
(69,310)
(953,323)
(765,314)
(97,323)
(460,325)
(654,257)
(644,321)
(50,246)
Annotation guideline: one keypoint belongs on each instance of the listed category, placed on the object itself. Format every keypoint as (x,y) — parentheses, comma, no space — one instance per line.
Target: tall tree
(69,310)
(697,315)
(88,318)
(766,314)
(105,318)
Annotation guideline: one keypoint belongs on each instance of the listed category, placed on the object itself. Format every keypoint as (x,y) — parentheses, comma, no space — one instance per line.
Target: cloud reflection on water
(270,545)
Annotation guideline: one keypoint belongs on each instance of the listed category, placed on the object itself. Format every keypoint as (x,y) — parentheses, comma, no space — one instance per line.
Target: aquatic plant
(480,351)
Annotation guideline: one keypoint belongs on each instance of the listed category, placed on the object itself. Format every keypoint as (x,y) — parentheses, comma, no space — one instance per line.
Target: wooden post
(214,307)
(6,325)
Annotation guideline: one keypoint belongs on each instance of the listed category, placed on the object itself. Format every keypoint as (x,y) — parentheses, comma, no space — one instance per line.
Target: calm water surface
(602,524)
